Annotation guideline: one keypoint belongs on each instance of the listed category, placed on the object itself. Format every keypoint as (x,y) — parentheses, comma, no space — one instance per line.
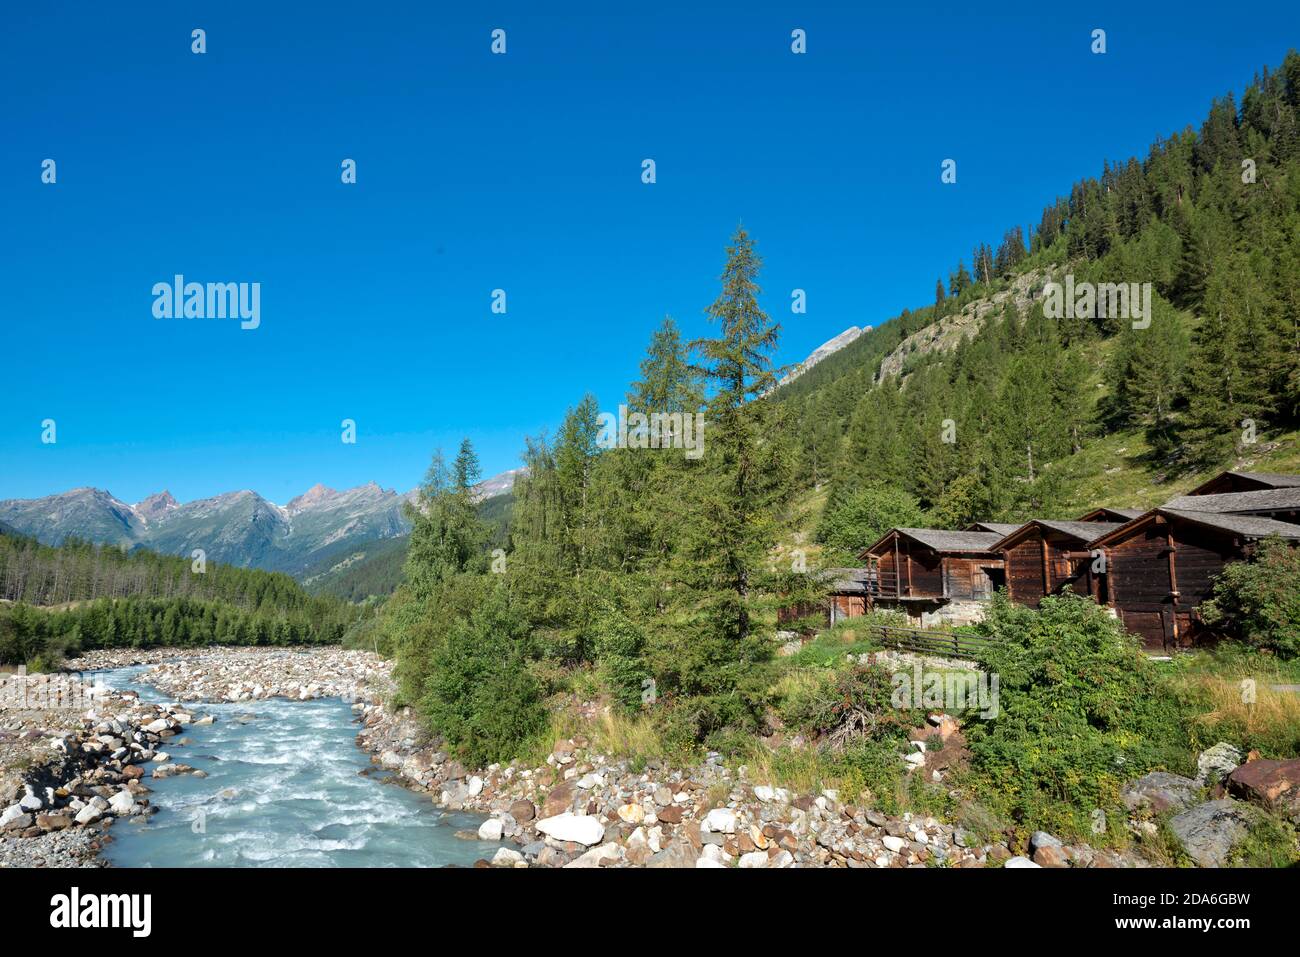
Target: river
(287,786)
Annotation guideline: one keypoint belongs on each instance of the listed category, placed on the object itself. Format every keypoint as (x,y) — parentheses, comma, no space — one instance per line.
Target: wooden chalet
(931,573)
(1246,482)
(1046,557)
(848,592)
(1110,515)
(1162,565)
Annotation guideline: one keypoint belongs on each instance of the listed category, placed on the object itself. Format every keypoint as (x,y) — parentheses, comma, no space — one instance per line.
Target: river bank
(582,808)
(78,760)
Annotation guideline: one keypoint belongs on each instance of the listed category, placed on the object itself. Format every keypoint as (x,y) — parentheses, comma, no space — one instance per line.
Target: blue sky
(519,172)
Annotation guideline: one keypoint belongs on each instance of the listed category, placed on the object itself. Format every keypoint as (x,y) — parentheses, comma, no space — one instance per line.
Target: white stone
(580,828)
(895,844)
(491,829)
(506,857)
(632,813)
(720,820)
(715,853)
(88,814)
(1020,862)
(594,857)
(123,802)
(753,859)
(592,780)
(705,862)
(11,813)
(475,786)
(764,792)
(157,727)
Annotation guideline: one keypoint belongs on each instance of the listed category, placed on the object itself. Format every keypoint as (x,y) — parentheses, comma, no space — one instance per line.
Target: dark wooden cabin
(847,591)
(921,569)
(1046,557)
(1120,515)
(1161,566)
(1282,504)
(1246,482)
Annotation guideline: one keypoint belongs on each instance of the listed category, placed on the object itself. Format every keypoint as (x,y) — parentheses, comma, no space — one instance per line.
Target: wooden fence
(944,643)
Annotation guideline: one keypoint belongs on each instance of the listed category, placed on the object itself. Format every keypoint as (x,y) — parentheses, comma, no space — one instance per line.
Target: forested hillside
(103,596)
(1002,428)
(374,569)
(647,571)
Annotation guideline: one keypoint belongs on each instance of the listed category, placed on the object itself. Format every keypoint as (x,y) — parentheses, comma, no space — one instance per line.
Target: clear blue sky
(520,172)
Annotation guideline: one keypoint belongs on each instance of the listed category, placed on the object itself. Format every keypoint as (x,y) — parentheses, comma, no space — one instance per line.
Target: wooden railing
(945,643)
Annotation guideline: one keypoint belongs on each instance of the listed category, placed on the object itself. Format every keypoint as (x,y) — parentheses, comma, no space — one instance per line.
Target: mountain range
(238,528)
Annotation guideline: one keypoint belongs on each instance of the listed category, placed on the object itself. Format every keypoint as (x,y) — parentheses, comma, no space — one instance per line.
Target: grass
(1212,686)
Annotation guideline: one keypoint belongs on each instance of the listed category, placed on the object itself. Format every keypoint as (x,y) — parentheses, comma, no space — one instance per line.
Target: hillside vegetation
(60,599)
(646,579)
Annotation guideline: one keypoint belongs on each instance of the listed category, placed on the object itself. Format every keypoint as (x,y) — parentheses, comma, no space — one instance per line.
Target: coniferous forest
(58,600)
(653,573)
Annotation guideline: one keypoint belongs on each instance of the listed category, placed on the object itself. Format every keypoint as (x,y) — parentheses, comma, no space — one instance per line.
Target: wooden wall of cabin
(1141,588)
(1066,573)
(888,577)
(1024,563)
(964,578)
(923,571)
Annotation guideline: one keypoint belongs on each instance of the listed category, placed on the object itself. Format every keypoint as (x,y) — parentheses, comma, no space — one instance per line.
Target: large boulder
(1272,784)
(579,828)
(1160,791)
(1208,832)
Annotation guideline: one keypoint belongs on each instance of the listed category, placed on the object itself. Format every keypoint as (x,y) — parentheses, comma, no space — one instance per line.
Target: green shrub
(1258,600)
(1080,711)
(863,516)
(480,695)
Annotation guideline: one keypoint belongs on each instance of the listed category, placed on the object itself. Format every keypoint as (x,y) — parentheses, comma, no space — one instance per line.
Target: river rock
(491,829)
(1209,831)
(122,803)
(1272,784)
(720,820)
(677,854)
(559,800)
(1218,761)
(598,856)
(506,857)
(523,811)
(579,828)
(1160,791)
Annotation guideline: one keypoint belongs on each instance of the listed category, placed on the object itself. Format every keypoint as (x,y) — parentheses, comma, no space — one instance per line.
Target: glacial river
(286,787)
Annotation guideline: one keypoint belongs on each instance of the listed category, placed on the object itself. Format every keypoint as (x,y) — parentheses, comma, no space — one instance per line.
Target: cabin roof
(1250,526)
(843,581)
(942,540)
(1261,500)
(1079,531)
(1127,514)
(1271,479)
(1002,528)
